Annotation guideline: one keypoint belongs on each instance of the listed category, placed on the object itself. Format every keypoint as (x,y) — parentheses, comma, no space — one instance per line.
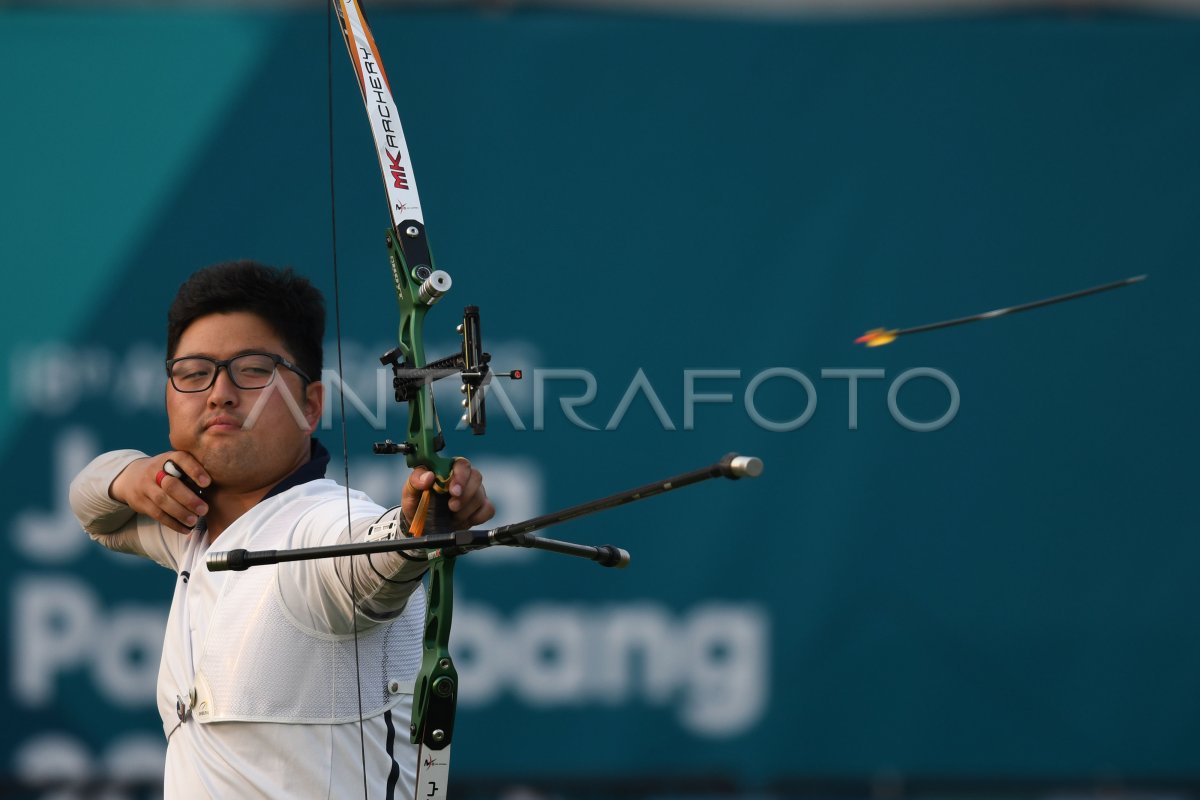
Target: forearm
(330,594)
(382,582)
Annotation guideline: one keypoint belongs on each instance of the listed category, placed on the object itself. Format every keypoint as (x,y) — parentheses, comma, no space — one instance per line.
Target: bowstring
(337,317)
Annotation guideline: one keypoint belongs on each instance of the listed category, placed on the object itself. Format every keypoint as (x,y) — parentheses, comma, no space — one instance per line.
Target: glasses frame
(218,363)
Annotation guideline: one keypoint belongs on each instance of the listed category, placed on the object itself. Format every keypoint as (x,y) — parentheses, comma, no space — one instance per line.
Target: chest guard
(260,664)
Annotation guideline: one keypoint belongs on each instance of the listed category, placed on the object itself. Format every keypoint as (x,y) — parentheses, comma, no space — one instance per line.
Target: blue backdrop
(693,219)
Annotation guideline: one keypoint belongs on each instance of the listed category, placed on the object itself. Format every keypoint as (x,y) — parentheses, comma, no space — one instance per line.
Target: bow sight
(418,287)
(471,364)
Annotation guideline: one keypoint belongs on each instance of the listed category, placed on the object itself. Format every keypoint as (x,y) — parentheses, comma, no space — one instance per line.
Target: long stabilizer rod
(732,466)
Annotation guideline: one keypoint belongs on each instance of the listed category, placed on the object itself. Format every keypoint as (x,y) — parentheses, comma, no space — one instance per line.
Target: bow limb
(390,146)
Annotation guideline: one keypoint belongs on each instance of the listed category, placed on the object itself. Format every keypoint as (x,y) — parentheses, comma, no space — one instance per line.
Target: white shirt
(243,756)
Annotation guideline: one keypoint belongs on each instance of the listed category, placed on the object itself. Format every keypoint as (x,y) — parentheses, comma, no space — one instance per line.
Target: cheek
(181,417)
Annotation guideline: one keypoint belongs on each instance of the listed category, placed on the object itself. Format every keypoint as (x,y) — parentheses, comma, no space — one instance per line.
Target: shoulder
(324,510)
(319,492)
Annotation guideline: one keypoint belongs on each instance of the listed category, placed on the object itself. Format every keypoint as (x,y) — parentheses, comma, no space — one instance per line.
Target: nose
(223,392)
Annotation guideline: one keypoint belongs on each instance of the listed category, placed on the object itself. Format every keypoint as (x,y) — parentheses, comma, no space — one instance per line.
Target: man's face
(246,438)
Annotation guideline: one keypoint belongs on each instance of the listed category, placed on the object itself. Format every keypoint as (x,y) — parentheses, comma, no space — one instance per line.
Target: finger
(414,488)
(180,513)
(486,512)
(467,491)
(179,488)
(167,521)
(474,503)
(477,516)
(460,476)
(193,468)
(182,500)
(177,472)
(421,479)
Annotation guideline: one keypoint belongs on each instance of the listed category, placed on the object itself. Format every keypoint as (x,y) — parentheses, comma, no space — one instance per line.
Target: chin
(223,465)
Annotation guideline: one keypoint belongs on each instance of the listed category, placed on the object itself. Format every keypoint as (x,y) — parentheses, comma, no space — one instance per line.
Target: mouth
(222,424)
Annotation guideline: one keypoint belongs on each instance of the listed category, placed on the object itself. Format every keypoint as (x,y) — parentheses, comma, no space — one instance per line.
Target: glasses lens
(252,371)
(192,374)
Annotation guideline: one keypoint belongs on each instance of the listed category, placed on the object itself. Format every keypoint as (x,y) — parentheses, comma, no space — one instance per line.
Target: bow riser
(413,273)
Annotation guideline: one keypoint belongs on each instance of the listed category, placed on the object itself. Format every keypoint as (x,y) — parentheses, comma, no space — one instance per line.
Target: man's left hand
(469,504)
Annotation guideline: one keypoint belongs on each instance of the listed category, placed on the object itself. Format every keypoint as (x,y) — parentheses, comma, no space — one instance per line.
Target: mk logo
(398,172)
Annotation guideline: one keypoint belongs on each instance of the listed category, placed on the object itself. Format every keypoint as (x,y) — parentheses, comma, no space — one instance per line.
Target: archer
(254,689)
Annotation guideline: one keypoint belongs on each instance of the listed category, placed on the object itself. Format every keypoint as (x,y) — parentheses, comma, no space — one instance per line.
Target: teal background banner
(972,553)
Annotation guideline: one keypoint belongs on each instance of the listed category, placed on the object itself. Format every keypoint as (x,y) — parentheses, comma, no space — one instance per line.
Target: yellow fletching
(877,337)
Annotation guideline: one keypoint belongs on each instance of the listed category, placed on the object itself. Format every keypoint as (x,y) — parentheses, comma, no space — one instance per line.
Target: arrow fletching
(877,337)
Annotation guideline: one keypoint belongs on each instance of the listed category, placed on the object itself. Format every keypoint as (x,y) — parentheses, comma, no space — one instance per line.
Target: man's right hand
(168,501)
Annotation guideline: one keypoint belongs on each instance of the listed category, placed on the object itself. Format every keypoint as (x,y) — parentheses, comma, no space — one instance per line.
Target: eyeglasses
(247,371)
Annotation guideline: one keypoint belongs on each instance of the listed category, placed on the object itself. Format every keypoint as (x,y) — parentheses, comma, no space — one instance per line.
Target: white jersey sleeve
(114,524)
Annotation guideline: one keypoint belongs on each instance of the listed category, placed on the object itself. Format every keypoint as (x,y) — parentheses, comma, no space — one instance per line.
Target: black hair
(289,303)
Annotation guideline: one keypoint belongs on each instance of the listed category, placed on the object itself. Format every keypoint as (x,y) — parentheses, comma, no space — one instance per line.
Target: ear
(314,404)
